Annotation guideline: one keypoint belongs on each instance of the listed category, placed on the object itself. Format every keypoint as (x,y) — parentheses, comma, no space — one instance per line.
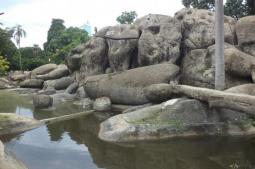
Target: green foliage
(200,4)
(4,65)
(127,17)
(251,7)
(234,8)
(61,40)
(33,57)
(8,48)
(56,29)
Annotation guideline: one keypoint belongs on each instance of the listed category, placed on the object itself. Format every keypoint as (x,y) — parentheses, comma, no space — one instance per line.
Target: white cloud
(36,15)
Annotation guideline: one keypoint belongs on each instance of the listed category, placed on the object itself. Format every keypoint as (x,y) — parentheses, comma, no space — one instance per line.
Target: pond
(74,144)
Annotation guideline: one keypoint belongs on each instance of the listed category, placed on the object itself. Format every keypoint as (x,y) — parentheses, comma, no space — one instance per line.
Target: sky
(35,16)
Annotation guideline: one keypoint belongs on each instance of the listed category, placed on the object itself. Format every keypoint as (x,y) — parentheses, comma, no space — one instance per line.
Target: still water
(74,144)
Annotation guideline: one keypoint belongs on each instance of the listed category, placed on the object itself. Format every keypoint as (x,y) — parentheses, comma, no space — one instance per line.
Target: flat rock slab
(11,123)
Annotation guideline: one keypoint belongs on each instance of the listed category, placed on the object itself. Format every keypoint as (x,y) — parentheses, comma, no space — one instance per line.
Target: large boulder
(57,73)
(199,28)
(198,68)
(239,63)
(128,87)
(245,34)
(73,61)
(174,118)
(43,69)
(245,30)
(122,43)
(160,39)
(94,58)
(63,83)
(32,83)
(42,101)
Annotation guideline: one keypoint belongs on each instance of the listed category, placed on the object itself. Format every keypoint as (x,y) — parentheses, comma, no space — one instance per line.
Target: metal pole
(219,42)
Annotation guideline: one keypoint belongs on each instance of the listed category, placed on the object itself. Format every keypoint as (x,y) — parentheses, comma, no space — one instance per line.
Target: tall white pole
(219,41)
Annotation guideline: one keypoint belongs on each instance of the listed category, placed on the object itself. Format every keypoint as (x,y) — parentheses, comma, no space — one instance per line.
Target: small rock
(86,103)
(42,101)
(72,88)
(48,91)
(102,104)
(32,83)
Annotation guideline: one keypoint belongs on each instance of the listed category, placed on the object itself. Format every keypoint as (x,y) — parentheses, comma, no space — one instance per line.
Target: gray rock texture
(102,104)
(128,87)
(198,28)
(160,39)
(32,83)
(42,101)
(122,43)
(94,57)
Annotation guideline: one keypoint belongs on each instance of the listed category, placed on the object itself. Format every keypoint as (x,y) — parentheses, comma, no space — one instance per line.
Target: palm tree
(219,41)
(18,33)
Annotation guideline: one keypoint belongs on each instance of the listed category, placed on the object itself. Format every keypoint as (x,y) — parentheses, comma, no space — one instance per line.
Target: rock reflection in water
(199,153)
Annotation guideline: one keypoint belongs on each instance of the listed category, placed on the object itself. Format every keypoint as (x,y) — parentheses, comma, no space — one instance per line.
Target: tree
(127,17)
(234,8)
(251,7)
(4,65)
(56,29)
(8,49)
(18,33)
(219,42)
(61,40)
(200,4)
(69,39)
(33,57)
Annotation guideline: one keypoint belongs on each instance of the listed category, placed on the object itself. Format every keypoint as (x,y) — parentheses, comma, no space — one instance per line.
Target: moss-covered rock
(174,118)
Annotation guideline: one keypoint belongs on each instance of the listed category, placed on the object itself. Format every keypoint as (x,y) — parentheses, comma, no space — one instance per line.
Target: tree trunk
(239,102)
(219,41)
(20,62)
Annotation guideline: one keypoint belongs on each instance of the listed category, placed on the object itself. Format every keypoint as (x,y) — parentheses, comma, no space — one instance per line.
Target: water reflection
(74,144)
(202,153)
